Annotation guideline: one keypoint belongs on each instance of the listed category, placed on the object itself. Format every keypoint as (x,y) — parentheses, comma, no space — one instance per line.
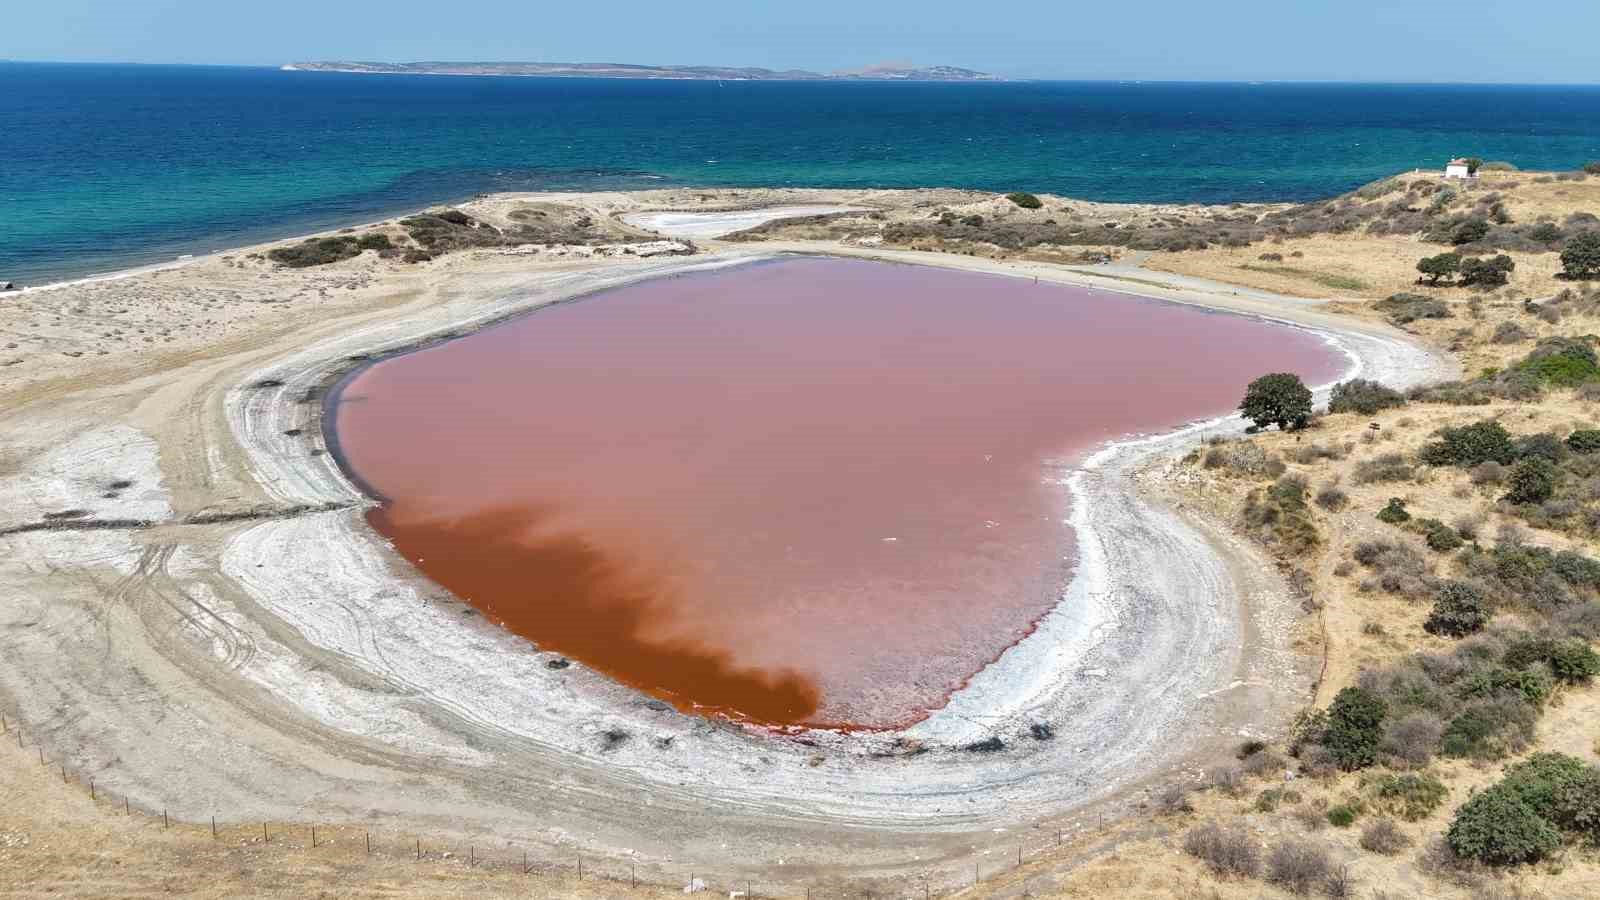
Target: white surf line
(715,224)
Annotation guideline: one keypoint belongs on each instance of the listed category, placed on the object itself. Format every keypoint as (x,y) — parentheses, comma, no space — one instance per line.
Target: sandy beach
(202,621)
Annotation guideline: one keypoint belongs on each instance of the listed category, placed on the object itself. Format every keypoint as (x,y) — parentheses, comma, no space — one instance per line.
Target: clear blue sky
(1354,40)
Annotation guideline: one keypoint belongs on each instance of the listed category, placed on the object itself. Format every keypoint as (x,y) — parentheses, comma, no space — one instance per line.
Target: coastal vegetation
(1280,399)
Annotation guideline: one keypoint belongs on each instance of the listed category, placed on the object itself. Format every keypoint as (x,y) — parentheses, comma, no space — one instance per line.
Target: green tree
(1459,609)
(1436,268)
(1355,726)
(1581,257)
(1492,272)
(1280,399)
(1532,480)
(1473,164)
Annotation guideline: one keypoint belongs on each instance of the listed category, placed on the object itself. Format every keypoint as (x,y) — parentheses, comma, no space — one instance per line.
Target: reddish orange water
(807,491)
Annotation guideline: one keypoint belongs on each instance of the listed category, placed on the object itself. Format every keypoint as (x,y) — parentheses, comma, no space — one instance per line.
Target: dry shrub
(1175,799)
(1227,779)
(1263,762)
(1387,467)
(1227,851)
(1384,836)
(1412,738)
(1297,865)
(1309,817)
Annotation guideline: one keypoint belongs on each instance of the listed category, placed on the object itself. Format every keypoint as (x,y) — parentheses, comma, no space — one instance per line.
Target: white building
(1459,168)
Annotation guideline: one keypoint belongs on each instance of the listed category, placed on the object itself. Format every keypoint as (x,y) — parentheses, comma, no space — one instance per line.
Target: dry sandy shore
(198,617)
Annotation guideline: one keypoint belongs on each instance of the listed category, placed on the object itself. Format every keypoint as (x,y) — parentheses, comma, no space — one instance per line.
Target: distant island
(882,72)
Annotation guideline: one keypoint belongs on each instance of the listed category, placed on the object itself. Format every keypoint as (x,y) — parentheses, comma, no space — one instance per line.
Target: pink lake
(809,491)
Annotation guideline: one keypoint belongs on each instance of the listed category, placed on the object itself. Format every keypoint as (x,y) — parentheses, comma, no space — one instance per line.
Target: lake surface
(107,166)
(803,491)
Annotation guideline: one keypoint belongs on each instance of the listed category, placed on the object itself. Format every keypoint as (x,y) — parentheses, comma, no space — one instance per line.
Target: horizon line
(1001,79)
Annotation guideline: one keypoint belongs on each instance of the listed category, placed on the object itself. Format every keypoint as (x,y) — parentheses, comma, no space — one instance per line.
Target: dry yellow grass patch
(1347,266)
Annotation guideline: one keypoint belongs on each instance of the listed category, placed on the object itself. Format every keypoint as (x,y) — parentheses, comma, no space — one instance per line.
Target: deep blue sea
(107,166)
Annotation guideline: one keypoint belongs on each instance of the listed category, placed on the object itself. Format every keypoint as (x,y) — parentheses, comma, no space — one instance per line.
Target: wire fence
(505,857)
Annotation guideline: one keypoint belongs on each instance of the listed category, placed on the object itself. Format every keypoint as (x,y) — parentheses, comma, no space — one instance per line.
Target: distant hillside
(885,72)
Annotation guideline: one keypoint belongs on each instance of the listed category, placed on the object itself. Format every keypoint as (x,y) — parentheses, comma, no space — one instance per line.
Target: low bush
(316,252)
(1332,499)
(1489,729)
(1024,200)
(1580,258)
(1469,445)
(1567,362)
(1584,440)
(1343,815)
(1394,512)
(1532,480)
(1509,333)
(1410,796)
(1355,728)
(1545,783)
(1227,851)
(1543,445)
(1385,467)
(1360,395)
(1412,739)
(1497,828)
(1439,537)
(1459,609)
(1384,836)
(1405,308)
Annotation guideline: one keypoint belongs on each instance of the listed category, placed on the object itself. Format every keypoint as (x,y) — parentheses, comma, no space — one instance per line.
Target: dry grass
(1358,265)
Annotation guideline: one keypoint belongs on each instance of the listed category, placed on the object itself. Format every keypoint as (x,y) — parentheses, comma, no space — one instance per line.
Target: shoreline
(368,706)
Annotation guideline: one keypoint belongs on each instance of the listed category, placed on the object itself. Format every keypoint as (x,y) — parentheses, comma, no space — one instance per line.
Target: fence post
(163,818)
(419,849)
(313,837)
(369,843)
(91,789)
(524,862)
(265,838)
(472,857)
(580,867)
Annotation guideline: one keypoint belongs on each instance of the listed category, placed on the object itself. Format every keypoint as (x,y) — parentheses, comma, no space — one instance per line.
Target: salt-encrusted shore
(214,629)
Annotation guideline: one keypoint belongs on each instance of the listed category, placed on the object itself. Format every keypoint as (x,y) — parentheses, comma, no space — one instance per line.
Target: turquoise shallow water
(106,166)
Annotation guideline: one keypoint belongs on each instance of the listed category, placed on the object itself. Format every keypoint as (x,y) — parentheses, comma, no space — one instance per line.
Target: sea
(104,167)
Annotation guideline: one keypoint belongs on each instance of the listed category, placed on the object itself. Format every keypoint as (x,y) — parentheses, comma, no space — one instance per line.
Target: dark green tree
(1436,268)
(1280,399)
(1487,272)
